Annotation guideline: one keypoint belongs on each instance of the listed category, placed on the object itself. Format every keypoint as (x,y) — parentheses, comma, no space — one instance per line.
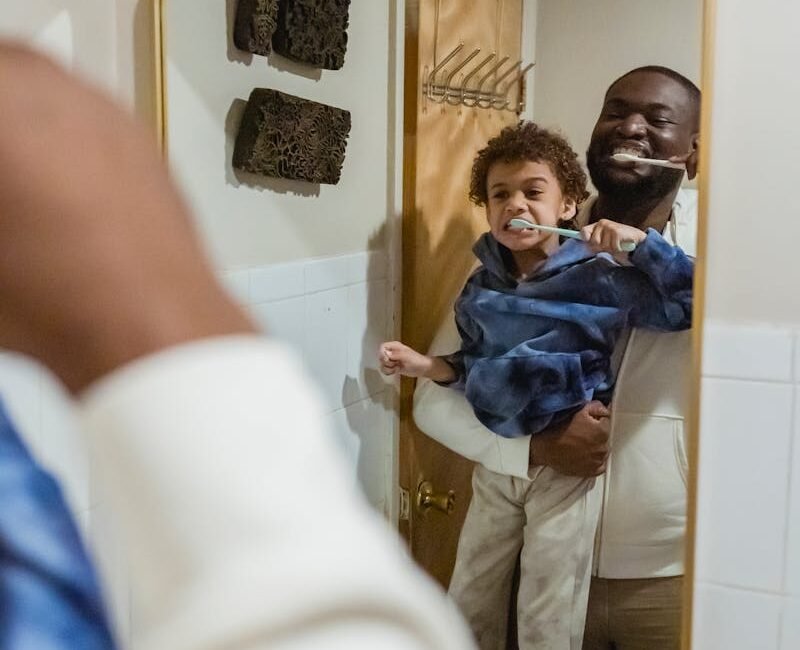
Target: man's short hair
(691,89)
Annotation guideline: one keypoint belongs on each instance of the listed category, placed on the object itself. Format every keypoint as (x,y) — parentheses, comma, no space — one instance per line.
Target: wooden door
(439,228)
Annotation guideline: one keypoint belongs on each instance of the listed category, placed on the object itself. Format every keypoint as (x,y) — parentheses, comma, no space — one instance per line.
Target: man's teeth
(629,152)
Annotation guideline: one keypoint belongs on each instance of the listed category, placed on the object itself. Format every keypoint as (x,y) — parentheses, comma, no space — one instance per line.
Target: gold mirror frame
(159,78)
(698,314)
(693,422)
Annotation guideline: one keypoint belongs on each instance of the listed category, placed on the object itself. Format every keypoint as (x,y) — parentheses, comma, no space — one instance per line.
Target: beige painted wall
(581,47)
(81,38)
(248,222)
(754,222)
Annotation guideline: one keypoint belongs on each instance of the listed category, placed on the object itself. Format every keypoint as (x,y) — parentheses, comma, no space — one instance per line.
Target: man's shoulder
(684,214)
(684,208)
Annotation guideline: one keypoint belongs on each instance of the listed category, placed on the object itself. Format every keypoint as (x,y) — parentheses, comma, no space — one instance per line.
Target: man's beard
(642,188)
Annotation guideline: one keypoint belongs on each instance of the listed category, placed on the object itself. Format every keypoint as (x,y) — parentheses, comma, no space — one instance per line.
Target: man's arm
(578,448)
(242,526)
(445,415)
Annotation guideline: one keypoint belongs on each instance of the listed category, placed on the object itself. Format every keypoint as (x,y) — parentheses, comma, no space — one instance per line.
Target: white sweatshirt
(242,523)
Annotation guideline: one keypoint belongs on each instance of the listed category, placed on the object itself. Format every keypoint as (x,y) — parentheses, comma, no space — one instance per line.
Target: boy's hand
(606,235)
(395,357)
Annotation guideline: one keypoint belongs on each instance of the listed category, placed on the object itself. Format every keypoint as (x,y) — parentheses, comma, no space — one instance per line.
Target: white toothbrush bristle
(629,157)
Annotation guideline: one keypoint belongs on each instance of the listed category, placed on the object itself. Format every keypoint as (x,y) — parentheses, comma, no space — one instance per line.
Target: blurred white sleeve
(243,528)
(445,415)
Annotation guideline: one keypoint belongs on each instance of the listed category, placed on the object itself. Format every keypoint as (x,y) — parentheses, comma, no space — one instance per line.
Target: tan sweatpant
(634,614)
(549,522)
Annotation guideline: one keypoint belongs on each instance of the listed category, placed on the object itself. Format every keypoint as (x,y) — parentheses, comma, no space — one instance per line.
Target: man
(635,596)
(242,526)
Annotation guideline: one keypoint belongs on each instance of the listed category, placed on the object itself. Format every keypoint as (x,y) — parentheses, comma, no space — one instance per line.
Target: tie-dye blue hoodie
(533,352)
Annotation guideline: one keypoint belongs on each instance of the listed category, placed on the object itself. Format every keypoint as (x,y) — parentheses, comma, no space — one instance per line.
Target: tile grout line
(792,476)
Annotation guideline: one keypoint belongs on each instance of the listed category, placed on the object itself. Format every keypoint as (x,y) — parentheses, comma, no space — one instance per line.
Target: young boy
(539,322)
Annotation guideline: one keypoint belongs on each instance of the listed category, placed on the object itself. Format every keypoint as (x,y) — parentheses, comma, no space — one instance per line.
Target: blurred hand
(98,261)
(580,448)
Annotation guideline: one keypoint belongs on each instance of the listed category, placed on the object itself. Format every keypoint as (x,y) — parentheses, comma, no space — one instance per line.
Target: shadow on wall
(367,394)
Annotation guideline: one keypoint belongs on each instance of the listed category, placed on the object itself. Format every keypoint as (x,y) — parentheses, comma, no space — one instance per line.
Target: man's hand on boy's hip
(579,448)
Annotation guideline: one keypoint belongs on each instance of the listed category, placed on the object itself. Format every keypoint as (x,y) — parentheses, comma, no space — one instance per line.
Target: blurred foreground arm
(241,526)
(98,260)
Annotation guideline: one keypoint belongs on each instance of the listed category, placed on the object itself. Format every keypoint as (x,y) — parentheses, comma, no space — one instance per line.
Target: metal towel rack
(471,90)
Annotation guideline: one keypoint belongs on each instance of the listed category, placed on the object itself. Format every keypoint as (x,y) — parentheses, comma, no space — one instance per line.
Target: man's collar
(680,228)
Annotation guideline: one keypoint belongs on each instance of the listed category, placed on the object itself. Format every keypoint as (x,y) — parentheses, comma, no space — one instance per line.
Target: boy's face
(528,190)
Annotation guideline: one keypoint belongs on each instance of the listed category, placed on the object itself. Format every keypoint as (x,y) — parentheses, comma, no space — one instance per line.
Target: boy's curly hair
(528,141)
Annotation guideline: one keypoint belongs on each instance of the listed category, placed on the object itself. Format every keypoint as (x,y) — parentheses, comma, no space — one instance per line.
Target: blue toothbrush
(523,224)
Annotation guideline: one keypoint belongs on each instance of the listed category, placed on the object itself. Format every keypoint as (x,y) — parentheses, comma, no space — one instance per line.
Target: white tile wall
(747,352)
(283,319)
(365,431)
(744,511)
(325,346)
(747,572)
(728,619)
(790,631)
(335,311)
(793,538)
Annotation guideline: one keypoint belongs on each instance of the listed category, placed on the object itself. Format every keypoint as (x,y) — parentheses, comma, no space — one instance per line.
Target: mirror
(333,273)
(260,230)
(580,49)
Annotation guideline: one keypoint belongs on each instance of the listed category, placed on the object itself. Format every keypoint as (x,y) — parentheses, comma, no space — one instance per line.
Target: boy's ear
(570,209)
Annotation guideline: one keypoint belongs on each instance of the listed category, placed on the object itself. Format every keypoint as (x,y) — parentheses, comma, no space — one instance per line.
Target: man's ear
(693,159)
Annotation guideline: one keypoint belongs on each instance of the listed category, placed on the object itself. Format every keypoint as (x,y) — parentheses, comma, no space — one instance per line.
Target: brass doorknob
(427,498)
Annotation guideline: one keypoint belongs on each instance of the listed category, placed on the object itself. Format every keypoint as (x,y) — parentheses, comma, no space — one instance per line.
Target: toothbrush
(523,224)
(627,157)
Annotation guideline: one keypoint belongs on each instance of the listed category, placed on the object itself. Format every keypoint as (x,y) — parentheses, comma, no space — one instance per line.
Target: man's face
(649,115)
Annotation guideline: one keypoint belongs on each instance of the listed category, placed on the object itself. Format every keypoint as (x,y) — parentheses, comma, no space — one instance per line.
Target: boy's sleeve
(445,415)
(456,362)
(51,597)
(661,297)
